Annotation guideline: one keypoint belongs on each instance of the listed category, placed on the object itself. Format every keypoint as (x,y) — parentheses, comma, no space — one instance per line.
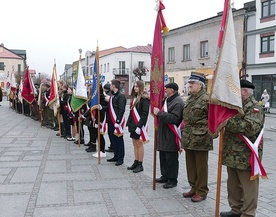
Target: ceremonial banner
(79,97)
(54,97)
(28,90)
(157,62)
(12,80)
(95,87)
(225,97)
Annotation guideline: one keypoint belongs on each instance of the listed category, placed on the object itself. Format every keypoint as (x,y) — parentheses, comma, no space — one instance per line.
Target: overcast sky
(55,30)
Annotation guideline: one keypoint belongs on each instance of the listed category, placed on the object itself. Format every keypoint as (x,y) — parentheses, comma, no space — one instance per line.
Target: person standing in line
(116,121)
(196,139)
(137,123)
(107,92)
(1,95)
(169,117)
(243,189)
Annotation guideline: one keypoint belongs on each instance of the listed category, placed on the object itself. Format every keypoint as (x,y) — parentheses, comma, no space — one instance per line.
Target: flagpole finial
(80,50)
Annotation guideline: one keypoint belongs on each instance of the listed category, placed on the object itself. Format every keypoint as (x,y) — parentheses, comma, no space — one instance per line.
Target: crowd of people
(194,138)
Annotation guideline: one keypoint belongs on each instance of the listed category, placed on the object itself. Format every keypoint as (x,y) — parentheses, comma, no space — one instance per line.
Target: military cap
(195,76)
(172,85)
(106,86)
(247,84)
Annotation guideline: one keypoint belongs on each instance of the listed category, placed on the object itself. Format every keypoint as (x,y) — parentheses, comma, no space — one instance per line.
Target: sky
(53,31)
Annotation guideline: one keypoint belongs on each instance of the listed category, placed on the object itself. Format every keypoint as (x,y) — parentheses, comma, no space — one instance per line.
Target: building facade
(194,48)
(260,47)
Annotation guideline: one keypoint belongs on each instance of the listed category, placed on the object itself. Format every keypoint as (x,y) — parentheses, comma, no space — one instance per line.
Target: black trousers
(169,165)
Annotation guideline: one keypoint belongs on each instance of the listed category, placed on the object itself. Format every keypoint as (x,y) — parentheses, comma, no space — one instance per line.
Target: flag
(28,88)
(79,97)
(225,97)
(13,83)
(20,91)
(94,91)
(40,97)
(157,63)
(54,97)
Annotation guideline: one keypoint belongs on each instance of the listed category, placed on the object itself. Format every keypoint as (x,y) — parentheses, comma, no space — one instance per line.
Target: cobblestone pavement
(42,175)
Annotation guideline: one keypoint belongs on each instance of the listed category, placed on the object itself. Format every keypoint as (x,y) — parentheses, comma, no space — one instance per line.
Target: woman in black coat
(137,123)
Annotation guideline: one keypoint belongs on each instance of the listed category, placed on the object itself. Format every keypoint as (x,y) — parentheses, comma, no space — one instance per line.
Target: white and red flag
(225,97)
(54,96)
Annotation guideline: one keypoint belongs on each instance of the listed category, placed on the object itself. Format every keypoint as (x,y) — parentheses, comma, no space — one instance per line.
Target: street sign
(102,78)
(166,77)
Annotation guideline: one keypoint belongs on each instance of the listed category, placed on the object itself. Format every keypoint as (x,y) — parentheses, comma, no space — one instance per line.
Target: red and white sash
(176,130)
(103,125)
(136,117)
(257,168)
(120,130)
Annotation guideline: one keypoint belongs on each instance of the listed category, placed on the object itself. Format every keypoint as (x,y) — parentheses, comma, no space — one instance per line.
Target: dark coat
(119,106)
(1,95)
(143,110)
(165,136)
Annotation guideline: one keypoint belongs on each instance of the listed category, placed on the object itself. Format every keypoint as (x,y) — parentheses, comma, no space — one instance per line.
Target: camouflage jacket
(195,135)
(236,154)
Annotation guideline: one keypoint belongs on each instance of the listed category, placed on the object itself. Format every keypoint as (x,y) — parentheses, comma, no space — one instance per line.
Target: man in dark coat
(166,137)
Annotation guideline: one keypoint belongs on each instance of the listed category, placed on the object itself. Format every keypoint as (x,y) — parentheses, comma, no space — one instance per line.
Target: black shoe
(88,144)
(139,168)
(133,166)
(169,185)
(81,142)
(109,150)
(56,129)
(229,214)
(161,180)
(119,162)
(112,160)
(91,148)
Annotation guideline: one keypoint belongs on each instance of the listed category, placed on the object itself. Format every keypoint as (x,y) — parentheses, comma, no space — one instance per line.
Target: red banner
(28,88)
(157,62)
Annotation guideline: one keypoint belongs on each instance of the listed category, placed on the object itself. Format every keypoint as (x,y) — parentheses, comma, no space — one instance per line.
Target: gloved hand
(116,125)
(100,107)
(138,131)
(96,125)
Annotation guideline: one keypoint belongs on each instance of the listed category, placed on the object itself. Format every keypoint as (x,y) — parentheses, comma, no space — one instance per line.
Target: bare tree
(140,72)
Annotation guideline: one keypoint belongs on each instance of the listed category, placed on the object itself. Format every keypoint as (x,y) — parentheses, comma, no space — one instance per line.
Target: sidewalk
(42,175)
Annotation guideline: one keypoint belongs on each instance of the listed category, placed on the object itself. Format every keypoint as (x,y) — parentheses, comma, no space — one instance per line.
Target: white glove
(96,125)
(100,107)
(116,125)
(138,131)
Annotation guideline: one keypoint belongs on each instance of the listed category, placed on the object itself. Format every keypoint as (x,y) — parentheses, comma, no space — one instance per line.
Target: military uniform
(236,156)
(242,192)
(197,142)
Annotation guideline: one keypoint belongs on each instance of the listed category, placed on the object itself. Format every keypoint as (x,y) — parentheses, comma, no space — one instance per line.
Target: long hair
(138,95)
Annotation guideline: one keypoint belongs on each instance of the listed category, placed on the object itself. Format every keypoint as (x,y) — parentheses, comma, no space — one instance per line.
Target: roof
(8,54)
(140,49)
(111,50)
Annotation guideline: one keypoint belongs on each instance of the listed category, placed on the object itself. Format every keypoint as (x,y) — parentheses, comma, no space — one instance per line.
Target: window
(171,56)
(2,66)
(19,67)
(268,8)
(204,49)
(186,52)
(107,70)
(122,67)
(140,65)
(104,68)
(267,44)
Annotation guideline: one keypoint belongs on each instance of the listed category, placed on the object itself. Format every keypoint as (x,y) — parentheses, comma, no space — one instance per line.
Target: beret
(247,84)
(197,77)
(172,85)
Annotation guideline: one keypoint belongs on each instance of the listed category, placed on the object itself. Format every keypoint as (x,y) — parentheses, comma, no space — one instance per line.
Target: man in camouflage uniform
(242,192)
(196,139)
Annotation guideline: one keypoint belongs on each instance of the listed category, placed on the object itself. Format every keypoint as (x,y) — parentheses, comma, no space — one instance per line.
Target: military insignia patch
(255,110)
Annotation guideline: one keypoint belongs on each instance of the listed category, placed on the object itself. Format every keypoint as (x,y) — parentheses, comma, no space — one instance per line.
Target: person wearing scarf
(167,138)
(137,123)
(243,179)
